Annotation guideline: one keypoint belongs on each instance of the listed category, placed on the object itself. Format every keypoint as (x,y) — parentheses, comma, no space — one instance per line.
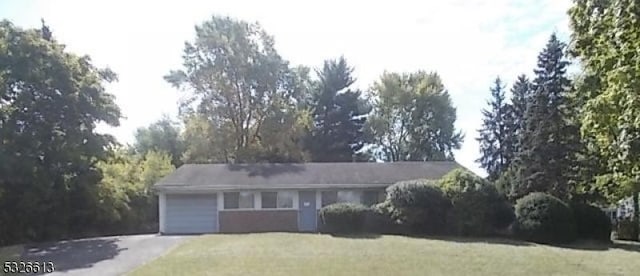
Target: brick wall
(258,221)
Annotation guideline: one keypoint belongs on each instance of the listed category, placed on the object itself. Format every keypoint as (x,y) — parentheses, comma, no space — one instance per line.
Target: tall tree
(547,155)
(605,35)
(50,103)
(495,148)
(234,78)
(520,92)
(413,118)
(338,115)
(163,135)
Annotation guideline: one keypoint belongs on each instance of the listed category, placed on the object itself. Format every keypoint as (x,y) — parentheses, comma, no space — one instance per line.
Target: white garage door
(190,214)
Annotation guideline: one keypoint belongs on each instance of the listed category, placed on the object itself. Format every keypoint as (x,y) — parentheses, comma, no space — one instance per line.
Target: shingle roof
(305,174)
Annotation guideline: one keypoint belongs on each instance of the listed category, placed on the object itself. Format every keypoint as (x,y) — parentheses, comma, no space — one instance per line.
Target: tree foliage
(50,103)
(163,135)
(520,92)
(234,78)
(495,143)
(606,39)
(338,115)
(413,118)
(548,142)
(126,202)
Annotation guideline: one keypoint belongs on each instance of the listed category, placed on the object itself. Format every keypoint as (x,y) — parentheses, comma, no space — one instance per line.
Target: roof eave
(214,188)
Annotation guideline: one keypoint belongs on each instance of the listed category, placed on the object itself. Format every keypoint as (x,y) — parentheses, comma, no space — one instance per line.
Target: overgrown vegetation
(575,138)
(478,208)
(419,206)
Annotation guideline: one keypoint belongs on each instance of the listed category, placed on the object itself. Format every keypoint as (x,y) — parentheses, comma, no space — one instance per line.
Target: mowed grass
(315,254)
(10,253)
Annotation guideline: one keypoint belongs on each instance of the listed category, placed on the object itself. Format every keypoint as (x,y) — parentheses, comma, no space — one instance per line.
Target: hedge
(344,218)
(591,222)
(420,207)
(544,218)
(478,207)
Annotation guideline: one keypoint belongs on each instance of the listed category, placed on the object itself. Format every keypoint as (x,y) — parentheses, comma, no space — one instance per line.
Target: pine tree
(515,122)
(338,115)
(495,147)
(546,156)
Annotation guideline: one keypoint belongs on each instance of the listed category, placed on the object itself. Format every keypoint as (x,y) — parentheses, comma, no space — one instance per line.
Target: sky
(468,42)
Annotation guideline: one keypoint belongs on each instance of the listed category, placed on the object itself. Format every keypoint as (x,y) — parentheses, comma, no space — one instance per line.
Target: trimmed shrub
(379,221)
(624,229)
(419,206)
(591,222)
(343,218)
(502,215)
(544,218)
(478,208)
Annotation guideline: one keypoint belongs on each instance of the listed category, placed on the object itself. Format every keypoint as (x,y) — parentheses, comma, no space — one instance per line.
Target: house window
(329,197)
(280,200)
(238,200)
(269,200)
(285,199)
(371,197)
(246,200)
(350,196)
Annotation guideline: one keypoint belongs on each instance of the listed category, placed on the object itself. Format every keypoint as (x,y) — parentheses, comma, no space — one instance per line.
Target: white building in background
(625,208)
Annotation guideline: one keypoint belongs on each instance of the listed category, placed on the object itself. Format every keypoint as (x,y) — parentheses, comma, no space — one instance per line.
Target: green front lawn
(10,253)
(314,254)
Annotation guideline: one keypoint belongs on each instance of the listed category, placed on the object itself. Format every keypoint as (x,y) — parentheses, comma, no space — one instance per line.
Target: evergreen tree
(546,156)
(494,138)
(338,115)
(515,121)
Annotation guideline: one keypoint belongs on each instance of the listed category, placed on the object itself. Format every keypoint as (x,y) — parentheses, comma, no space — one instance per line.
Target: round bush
(418,206)
(544,218)
(343,218)
(478,207)
(591,222)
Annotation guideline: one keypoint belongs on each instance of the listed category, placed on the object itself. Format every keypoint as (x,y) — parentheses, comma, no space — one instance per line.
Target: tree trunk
(636,215)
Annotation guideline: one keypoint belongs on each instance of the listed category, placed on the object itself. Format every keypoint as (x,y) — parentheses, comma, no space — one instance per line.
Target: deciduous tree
(50,103)
(413,118)
(606,39)
(234,78)
(163,135)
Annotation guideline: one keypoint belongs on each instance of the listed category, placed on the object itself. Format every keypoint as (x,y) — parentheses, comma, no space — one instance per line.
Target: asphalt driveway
(101,256)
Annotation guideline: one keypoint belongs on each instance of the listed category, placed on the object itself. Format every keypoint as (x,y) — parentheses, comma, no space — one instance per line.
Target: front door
(307,213)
